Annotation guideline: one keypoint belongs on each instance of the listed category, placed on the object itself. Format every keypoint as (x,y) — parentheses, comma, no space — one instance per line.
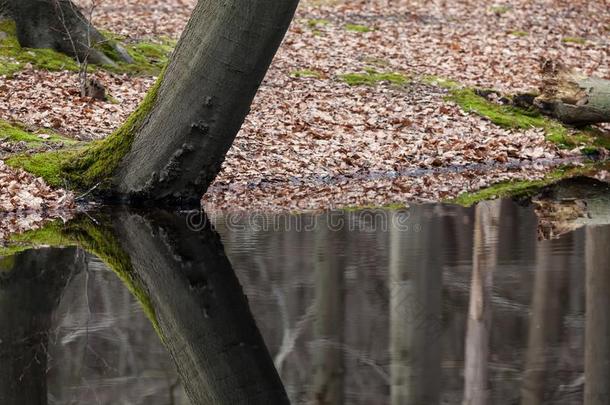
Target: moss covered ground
(527,188)
(83,165)
(371,77)
(508,116)
(15,132)
(149,57)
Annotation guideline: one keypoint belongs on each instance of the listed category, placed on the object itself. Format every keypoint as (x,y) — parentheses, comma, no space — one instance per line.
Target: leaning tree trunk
(203,100)
(573,98)
(60,25)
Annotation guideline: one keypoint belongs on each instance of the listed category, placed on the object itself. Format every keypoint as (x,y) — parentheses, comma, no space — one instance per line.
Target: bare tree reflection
(415,283)
(544,322)
(328,361)
(476,375)
(31,286)
(186,286)
(597,333)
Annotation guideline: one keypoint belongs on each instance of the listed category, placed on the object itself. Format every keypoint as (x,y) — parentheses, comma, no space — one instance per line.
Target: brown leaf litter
(312,141)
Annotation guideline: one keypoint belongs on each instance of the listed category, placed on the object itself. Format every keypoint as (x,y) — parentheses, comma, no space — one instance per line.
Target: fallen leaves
(26,201)
(312,141)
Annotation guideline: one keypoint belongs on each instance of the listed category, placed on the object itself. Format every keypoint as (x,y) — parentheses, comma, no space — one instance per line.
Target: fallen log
(573,98)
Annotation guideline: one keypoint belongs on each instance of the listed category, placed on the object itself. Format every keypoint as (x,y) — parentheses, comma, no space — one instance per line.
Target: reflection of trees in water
(343,314)
(276,273)
(102,339)
(30,290)
(484,262)
(191,296)
(597,346)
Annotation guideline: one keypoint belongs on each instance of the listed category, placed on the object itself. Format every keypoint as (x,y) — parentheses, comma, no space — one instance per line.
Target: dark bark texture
(206,93)
(59,25)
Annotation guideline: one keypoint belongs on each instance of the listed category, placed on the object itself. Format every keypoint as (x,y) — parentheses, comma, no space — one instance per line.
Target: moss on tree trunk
(171,149)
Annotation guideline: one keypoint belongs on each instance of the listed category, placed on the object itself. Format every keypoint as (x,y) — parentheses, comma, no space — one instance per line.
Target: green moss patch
(522,188)
(573,40)
(513,117)
(371,78)
(82,166)
(99,160)
(149,57)
(14,58)
(13,132)
(501,9)
(357,28)
(317,23)
(519,33)
(306,73)
(48,165)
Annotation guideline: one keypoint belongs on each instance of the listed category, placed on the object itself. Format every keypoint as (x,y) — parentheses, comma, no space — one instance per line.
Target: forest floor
(361,105)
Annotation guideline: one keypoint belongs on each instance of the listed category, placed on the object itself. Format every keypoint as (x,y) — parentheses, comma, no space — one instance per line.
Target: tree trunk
(572,98)
(200,105)
(60,25)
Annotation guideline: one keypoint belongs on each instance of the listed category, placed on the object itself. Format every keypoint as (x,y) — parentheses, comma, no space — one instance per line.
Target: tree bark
(572,98)
(60,25)
(200,105)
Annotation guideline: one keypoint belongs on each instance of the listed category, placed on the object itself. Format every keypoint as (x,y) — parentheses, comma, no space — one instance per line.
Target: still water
(436,304)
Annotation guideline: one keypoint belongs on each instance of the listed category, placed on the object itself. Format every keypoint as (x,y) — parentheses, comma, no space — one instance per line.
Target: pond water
(435,304)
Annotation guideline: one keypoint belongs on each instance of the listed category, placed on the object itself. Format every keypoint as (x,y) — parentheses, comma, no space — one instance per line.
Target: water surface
(435,304)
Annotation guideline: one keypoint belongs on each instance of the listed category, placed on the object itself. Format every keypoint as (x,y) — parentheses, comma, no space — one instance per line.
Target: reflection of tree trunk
(476,376)
(597,334)
(28,298)
(200,310)
(544,321)
(328,324)
(415,312)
